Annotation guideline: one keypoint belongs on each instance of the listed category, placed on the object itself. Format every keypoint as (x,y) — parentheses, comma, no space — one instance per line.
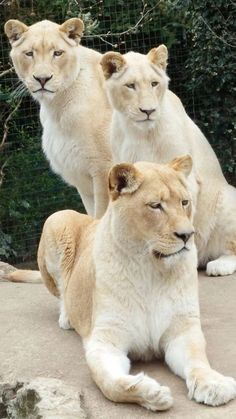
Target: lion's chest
(157,147)
(64,151)
(136,308)
(150,321)
(137,150)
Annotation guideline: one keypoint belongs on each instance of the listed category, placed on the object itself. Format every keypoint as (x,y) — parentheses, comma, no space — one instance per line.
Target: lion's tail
(23,275)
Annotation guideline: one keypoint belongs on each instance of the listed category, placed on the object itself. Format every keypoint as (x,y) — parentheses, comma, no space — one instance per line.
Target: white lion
(67,80)
(128,285)
(149,123)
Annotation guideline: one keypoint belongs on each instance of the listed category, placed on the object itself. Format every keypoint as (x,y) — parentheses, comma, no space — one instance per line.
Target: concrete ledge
(33,346)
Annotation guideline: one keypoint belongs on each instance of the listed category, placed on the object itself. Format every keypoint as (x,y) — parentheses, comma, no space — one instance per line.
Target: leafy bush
(30,192)
(200,36)
(210,75)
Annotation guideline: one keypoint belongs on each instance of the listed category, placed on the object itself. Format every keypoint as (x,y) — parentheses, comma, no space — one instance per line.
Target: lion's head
(151,205)
(45,55)
(136,84)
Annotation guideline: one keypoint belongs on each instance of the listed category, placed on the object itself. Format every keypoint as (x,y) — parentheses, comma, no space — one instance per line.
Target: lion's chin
(41,95)
(145,125)
(159,255)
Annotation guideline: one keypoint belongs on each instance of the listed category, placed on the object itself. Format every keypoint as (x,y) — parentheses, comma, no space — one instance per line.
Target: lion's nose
(184,236)
(147,111)
(42,80)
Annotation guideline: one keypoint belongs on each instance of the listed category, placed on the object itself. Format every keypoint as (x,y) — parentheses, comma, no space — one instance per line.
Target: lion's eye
(185,202)
(57,53)
(131,86)
(154,83)
(29,53)
(155,205)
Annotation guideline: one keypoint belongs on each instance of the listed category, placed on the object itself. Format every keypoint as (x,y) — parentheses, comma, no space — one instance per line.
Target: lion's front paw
(157,397)
(220,267)
(210,387)
(149,393)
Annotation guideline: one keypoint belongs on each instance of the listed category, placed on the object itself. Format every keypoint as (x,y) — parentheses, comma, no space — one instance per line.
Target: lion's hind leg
(224,236)
(56,255)
(224,265)
(64,321)
(53,281)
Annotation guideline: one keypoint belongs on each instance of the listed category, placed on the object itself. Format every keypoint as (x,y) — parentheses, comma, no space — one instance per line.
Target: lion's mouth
(160,255)
(43,90)
(146,120)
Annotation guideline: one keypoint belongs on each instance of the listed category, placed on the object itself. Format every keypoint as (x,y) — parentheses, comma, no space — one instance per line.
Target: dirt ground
(32,345)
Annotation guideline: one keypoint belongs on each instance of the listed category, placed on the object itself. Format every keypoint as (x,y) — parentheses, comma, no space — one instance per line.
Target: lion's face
(136,84)
(151,205)
(45,55)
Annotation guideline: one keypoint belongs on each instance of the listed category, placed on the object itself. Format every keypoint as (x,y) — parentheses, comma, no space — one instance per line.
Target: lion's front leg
(110,369)
(186,356)
(100,194)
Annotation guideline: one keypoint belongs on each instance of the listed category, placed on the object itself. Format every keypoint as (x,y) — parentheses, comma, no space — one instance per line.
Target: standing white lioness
(149,123)
(67,80)
(128,285)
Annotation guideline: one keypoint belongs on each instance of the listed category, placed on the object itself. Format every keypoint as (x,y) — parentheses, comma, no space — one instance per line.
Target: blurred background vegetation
(201,38)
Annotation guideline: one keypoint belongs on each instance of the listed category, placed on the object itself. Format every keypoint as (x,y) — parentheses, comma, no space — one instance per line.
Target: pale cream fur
(128,285)
(74,110)
(149,123)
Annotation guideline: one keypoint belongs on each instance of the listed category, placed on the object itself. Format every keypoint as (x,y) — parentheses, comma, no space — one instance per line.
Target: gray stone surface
(45,398)
(33,346)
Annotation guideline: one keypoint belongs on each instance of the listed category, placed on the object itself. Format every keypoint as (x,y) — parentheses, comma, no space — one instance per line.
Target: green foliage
(210,72)
(30,193)
(6,250)
(201,39)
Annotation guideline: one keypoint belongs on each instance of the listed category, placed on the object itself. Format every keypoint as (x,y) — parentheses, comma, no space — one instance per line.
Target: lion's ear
(159,56)
(182,164)
(112,62)
(14,29)
(73,29)
(124,178)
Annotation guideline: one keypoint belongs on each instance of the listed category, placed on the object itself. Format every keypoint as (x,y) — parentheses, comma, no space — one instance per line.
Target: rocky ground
(43,372)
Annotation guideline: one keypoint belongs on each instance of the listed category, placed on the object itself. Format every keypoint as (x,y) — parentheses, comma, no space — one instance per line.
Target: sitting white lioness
(149,123)
(128,285)
(67,80)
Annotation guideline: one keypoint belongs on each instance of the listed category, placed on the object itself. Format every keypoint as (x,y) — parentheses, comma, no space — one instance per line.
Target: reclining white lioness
(128,285)
(67,80)
(149,123)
